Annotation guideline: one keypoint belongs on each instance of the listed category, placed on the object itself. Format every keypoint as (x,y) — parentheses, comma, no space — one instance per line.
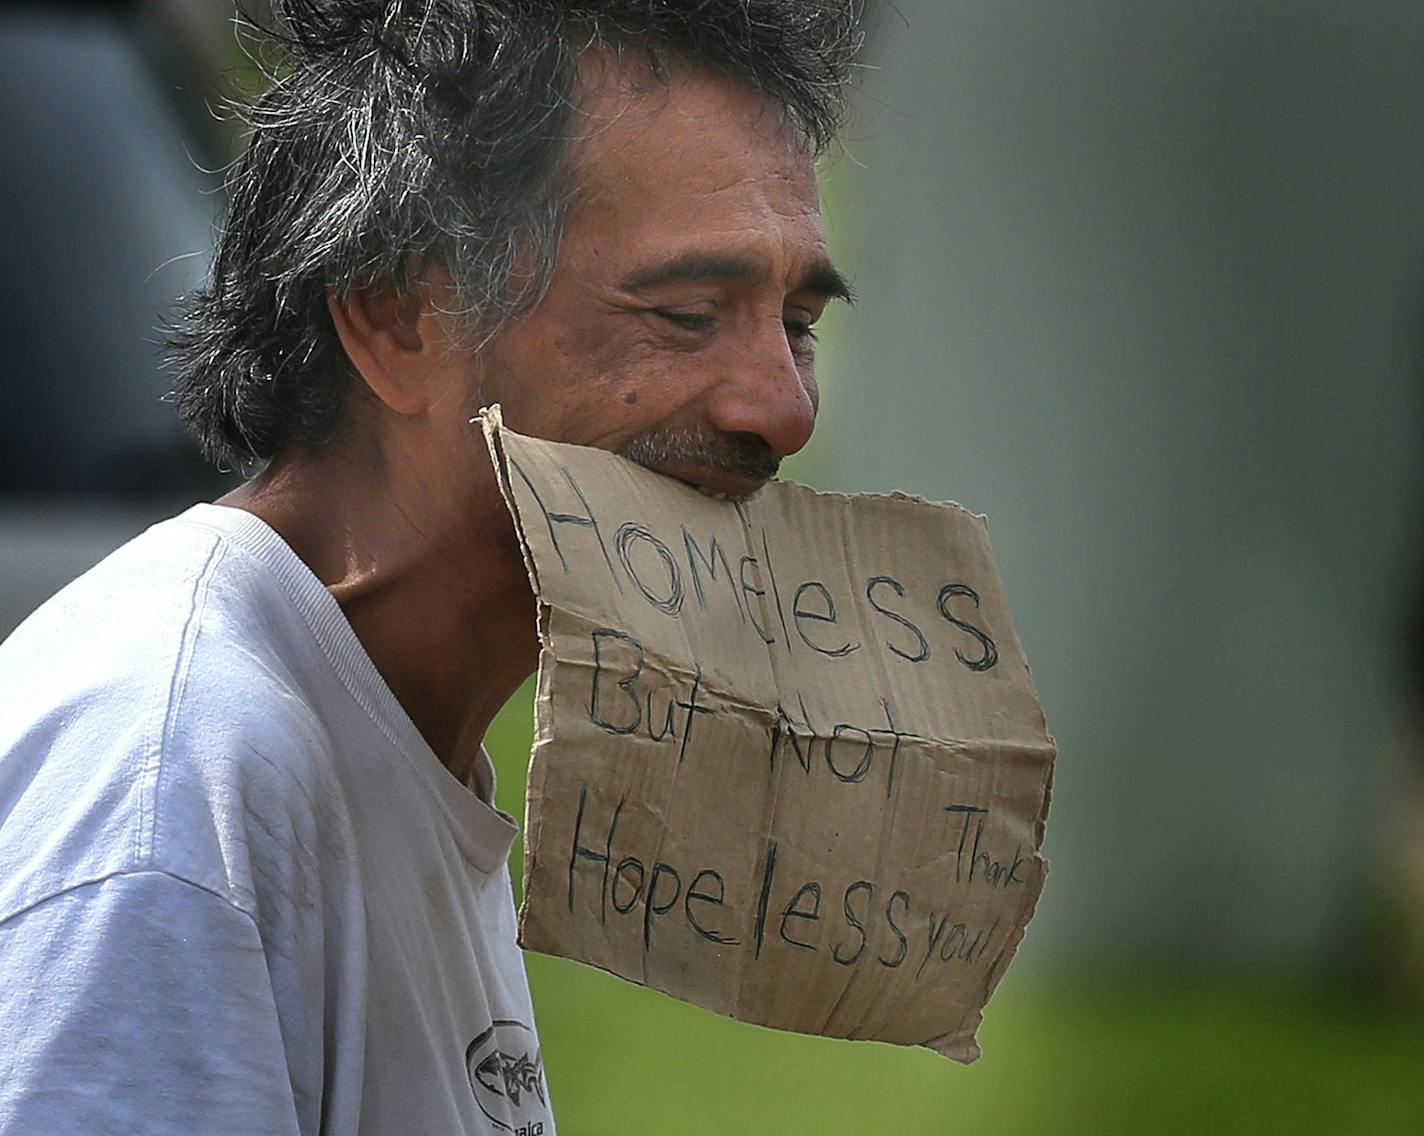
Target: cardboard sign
(789,764)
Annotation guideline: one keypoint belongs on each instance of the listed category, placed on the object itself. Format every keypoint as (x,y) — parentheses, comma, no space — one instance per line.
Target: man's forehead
(629,113)
(689,175)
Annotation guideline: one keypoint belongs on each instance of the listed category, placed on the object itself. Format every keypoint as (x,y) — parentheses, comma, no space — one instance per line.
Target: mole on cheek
(631,397)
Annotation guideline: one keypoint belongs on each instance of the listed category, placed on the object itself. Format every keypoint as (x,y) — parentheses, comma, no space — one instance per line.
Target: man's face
(677,327)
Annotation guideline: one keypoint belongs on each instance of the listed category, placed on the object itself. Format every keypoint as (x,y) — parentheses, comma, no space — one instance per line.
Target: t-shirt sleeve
(139,1003)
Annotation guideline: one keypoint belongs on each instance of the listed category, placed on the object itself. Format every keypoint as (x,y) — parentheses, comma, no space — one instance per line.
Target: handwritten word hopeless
(696,569)
(874,920)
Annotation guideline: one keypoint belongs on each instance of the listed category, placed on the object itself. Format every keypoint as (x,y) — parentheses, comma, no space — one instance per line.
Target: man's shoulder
(154,714)
(180,622)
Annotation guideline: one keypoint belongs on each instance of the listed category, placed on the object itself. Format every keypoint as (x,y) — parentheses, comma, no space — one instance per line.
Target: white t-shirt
(238,892)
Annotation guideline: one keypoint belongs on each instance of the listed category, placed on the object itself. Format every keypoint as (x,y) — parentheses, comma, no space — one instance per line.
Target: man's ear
(395,344)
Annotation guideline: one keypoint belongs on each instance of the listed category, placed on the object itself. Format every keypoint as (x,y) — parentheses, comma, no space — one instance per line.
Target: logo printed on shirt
(506,1071)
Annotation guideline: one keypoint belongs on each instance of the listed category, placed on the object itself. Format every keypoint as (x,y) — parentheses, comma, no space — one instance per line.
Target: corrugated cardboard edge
(492,422)
(893,495)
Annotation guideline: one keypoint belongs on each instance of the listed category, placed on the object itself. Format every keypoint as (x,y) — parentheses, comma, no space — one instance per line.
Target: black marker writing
(922,651)
(709,561)
(628,684)
(813,603)
(990,654)
(855,920)
(585,520)
(630,535)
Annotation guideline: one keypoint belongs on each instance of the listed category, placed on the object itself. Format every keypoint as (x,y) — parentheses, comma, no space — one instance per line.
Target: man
(251,875)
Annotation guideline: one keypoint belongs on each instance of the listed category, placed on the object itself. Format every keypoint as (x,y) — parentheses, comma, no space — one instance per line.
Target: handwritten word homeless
(789,764)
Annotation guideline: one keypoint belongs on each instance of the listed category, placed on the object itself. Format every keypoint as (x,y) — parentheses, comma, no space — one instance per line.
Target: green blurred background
(1143,281)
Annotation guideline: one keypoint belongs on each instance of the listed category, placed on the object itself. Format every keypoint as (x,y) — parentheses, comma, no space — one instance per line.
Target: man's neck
(439,598)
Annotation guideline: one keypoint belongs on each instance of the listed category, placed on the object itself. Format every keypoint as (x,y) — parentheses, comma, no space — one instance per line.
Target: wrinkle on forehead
(802,183)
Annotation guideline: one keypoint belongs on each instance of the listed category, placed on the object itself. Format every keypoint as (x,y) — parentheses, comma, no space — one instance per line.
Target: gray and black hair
(403,133)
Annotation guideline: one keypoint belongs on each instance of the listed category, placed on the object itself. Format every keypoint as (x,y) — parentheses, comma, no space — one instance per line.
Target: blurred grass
(1062,1056)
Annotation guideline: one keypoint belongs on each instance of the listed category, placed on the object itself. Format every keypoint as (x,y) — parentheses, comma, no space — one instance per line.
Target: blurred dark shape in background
(105,217)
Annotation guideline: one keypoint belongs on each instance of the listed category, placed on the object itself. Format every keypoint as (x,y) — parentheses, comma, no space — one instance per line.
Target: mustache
(701,447)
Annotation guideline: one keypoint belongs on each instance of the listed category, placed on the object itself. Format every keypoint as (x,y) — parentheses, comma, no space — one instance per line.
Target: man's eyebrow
(821,278)
(692,268)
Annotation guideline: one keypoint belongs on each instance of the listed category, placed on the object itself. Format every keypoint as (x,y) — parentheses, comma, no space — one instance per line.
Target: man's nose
(769,394)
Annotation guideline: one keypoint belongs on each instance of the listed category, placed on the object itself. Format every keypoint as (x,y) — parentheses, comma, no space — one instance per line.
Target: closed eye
(689,321)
